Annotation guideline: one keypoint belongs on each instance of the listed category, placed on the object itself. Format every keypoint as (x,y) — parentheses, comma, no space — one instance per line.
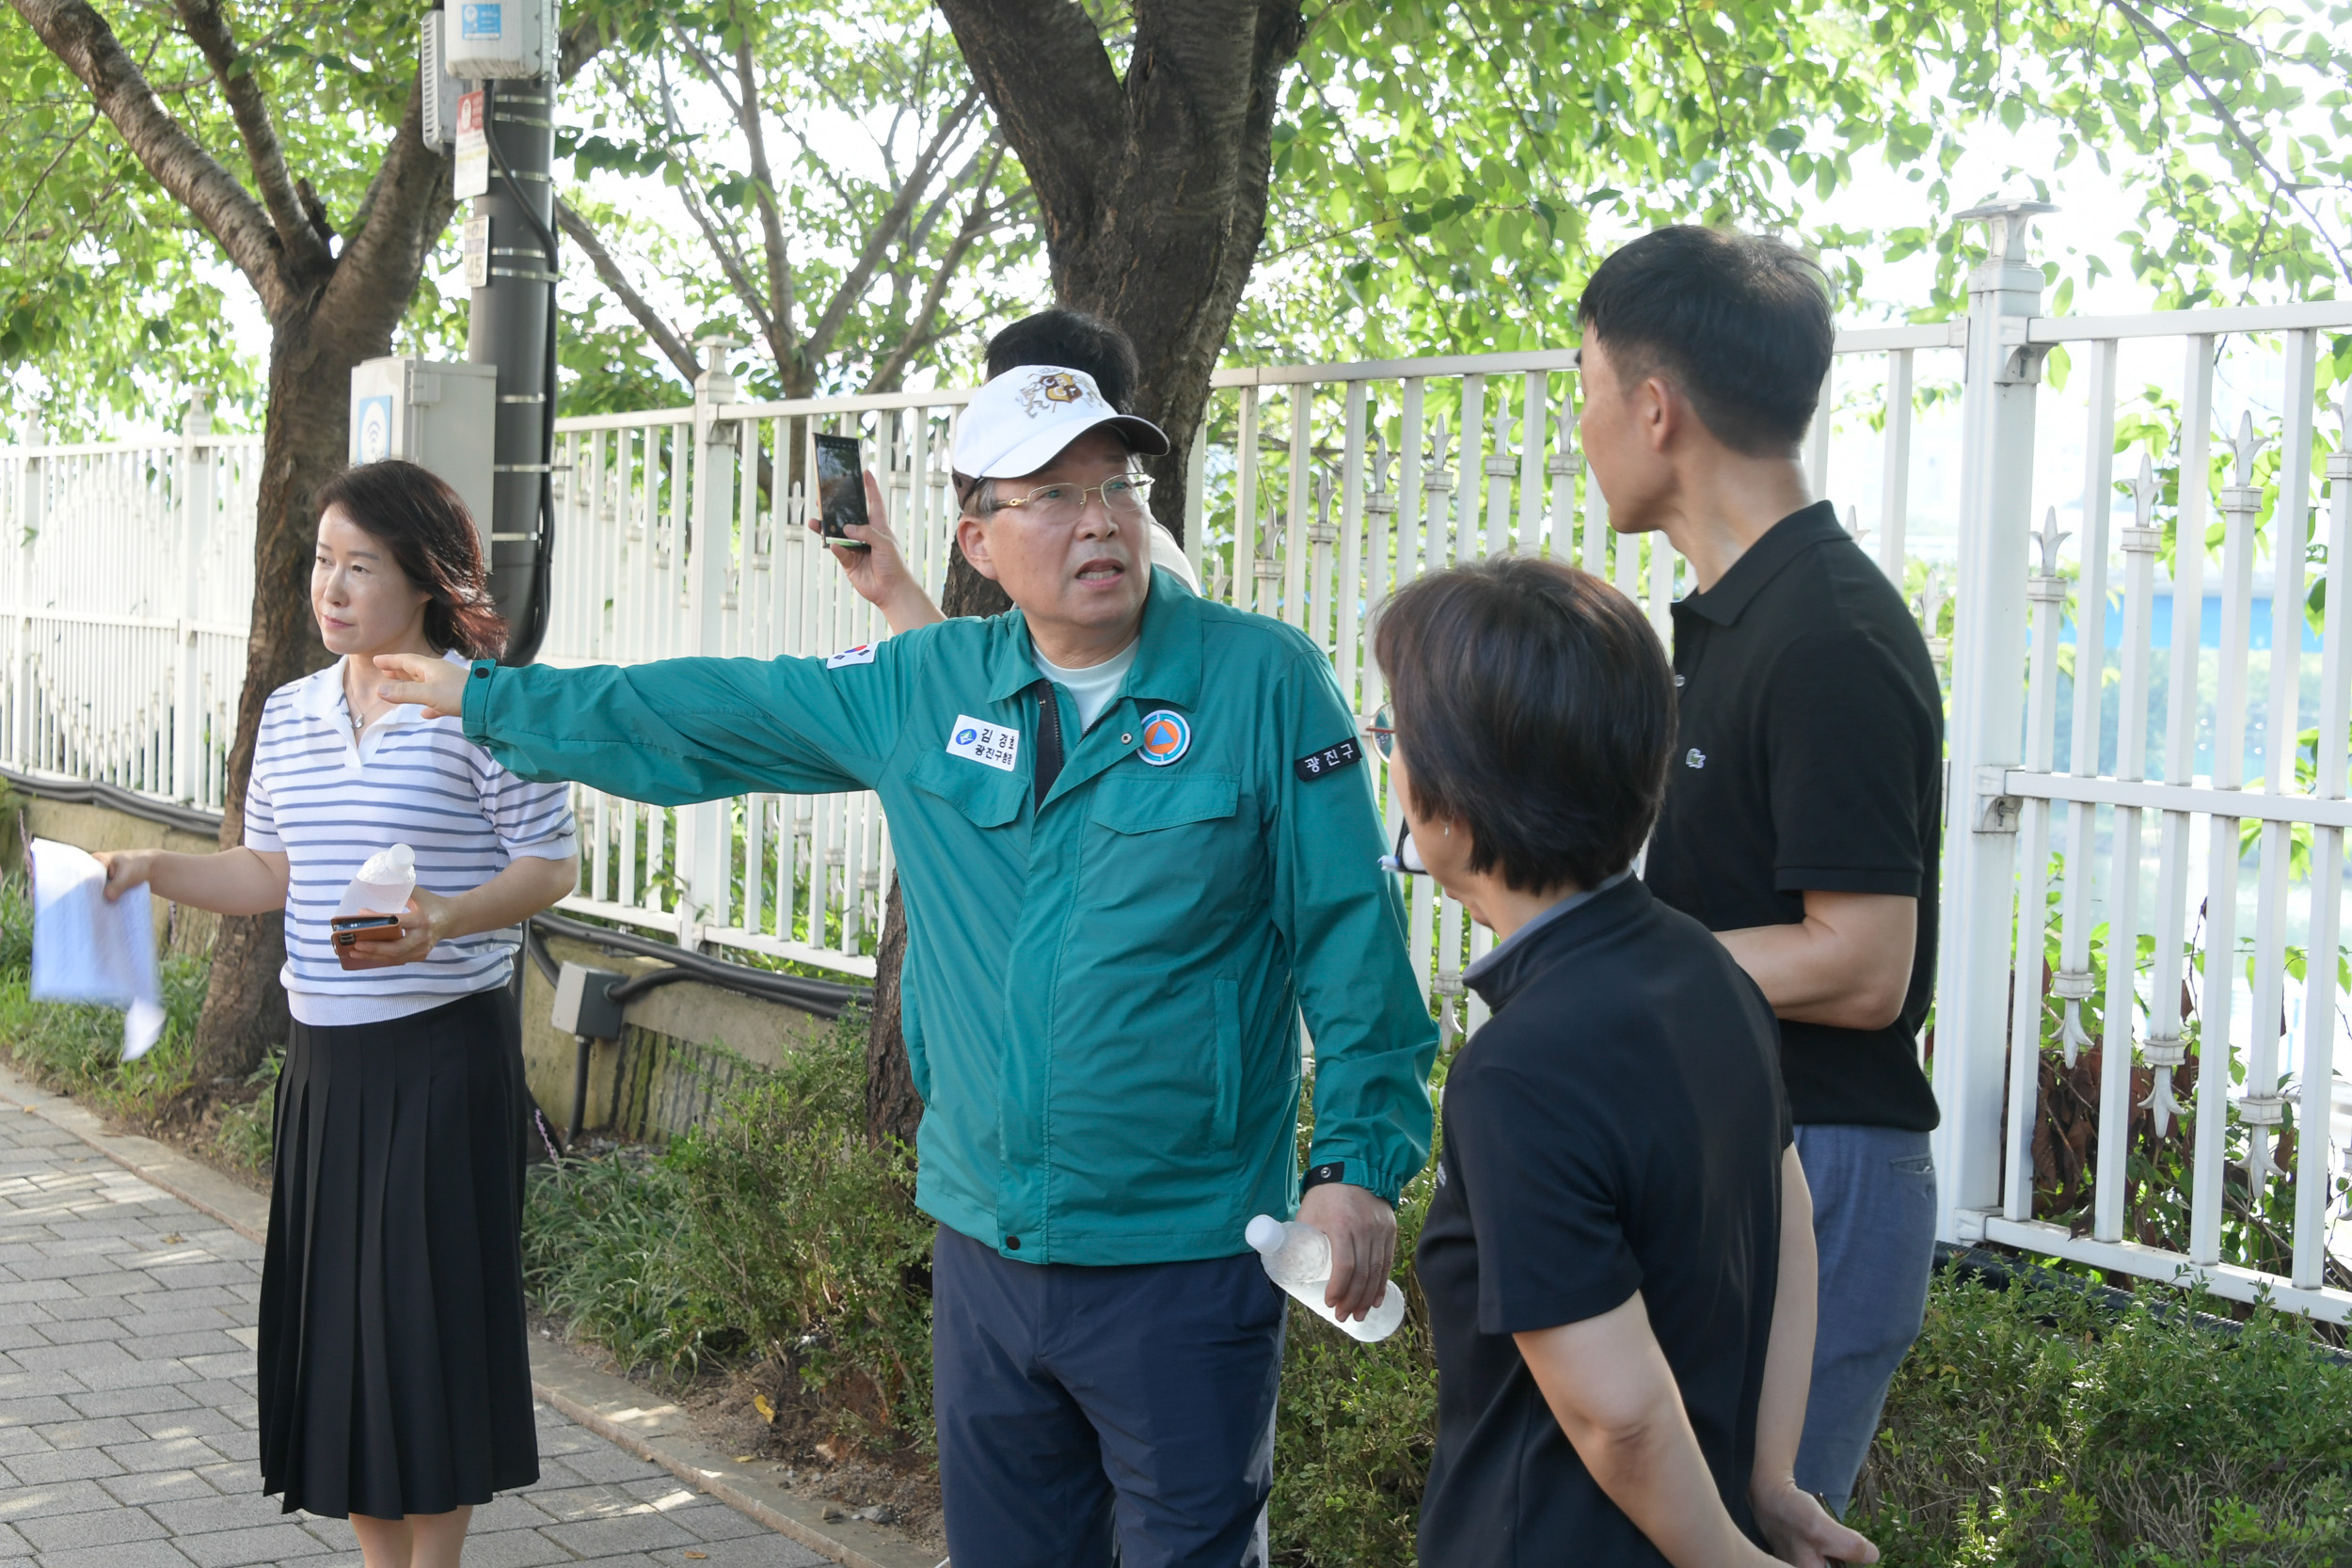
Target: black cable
(823,998)
(524,646)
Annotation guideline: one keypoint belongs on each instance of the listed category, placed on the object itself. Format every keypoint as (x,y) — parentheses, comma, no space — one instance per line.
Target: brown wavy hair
(433,539)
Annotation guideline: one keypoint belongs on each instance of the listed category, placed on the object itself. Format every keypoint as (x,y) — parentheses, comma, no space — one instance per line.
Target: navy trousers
(1081,1406)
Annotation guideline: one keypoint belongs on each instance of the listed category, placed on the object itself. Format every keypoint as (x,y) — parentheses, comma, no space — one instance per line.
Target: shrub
(2031,1426)
(808,1233)
(602,1248)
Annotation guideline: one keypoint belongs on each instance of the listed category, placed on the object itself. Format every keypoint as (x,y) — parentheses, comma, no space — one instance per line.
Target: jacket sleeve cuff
(1386,1185)
(474,718)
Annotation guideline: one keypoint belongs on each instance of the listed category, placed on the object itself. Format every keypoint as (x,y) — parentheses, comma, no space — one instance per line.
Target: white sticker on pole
(983,741)
(473,149)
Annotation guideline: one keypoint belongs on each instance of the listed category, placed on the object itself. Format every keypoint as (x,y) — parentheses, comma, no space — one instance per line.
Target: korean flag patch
(862,654)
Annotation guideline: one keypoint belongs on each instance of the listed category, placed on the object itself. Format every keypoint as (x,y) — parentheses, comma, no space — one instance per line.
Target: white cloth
(1093,687)
(88,950)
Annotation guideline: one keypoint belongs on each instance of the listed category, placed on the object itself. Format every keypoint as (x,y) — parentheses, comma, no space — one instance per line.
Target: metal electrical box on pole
(435,414)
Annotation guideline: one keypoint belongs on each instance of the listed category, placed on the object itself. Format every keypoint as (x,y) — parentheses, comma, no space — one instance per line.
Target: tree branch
(730,259)
(42,179)
(410,204)
(886,231)
(977,222)
(208,29)
(1042,65)
(2147,24)
(750,115)
(673,347)
(78,36)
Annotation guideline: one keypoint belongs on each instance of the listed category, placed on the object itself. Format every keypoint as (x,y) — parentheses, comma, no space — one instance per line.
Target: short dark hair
(1534,704)
(1076,342)
(414,514)
(1740,323)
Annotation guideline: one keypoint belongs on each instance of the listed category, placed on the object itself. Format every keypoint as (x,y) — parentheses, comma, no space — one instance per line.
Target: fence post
(1987,721)
(31,477)
(196,495)
(705,831)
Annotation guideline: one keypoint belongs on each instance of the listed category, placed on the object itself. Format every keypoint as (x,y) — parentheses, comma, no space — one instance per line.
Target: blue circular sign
(966,736)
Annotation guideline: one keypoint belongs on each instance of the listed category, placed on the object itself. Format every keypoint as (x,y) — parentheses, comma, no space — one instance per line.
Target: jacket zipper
(1048,740)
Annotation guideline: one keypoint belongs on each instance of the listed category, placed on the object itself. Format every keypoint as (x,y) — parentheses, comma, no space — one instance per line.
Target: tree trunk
(1152,188)
(893,1109)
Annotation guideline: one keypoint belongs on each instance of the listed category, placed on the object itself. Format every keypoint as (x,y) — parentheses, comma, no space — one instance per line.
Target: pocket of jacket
(1229,1066)
(1130,801)
(989,797)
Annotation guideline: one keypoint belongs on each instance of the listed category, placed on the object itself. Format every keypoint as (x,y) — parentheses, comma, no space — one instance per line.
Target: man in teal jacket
(1136,839)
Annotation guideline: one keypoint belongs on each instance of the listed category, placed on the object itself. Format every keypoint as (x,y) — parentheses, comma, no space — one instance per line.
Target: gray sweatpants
(1874,1222)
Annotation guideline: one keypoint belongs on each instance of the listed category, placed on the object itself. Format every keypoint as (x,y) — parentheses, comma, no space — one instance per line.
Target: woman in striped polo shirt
(394,1375)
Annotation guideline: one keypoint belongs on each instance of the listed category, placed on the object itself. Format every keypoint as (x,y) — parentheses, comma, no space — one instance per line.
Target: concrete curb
(612,1408)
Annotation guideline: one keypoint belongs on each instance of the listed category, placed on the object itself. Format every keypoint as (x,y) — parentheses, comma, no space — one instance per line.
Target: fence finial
(2144,493)
(1437,445)
(2009,224)
(1379,462)
(2246,446)
(2050,539)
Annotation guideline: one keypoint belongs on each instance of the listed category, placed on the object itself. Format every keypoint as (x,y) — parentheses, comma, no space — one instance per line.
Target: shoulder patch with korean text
(1314,764)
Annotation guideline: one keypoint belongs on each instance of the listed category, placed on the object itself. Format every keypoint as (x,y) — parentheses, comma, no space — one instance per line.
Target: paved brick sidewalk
(127,1417)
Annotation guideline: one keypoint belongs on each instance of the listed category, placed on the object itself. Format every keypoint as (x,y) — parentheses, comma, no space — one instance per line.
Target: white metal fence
(1316,489)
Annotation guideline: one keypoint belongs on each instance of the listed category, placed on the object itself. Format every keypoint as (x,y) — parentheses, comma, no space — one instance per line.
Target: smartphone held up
(840,488)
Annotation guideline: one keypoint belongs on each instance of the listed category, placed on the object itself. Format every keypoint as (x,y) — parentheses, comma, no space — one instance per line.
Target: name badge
(984,741)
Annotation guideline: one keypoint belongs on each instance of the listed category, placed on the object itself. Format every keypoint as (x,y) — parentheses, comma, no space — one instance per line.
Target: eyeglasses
(1125,496)
(1383,732)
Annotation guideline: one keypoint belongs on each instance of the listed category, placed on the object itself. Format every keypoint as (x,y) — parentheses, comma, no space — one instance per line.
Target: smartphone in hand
(840,488)
(350,930)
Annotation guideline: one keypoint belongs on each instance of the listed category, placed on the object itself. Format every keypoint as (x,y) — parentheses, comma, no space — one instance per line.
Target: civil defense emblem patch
(1167,737)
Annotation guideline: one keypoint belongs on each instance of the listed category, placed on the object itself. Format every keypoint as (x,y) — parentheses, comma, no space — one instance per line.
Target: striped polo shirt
(328,802)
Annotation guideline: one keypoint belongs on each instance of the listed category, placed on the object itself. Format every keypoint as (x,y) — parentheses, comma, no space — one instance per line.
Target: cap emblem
(1054,386)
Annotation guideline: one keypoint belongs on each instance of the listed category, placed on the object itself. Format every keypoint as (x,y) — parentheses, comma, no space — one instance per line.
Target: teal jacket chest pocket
(1167,857)
(988,797)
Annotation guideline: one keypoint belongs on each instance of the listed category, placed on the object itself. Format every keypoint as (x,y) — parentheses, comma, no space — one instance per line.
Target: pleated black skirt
(395,1362)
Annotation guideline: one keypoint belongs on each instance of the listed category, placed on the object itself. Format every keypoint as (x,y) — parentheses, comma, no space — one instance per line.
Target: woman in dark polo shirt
(1619,1257)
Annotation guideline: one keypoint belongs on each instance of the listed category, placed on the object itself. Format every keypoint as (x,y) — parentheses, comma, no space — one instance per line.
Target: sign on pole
(473,149)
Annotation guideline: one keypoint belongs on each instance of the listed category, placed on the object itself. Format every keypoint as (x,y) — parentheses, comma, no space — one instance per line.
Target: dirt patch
(802,1446)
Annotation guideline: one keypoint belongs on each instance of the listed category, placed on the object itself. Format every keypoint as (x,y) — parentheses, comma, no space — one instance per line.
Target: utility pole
(509,51)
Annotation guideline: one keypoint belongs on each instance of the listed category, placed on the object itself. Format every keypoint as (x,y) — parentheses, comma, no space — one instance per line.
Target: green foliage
(111,296)
(1449,170)
(777,1227)
(602,1248)
(901,219)
(809,1232)
(2030,1427)
(247,1131)
(1355,1426)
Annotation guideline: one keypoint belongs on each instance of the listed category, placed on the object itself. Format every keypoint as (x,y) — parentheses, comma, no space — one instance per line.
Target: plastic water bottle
(1297,1257)
(384,884)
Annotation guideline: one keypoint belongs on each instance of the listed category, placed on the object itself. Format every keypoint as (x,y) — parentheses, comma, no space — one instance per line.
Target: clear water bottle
(1297,1257)
(384,884)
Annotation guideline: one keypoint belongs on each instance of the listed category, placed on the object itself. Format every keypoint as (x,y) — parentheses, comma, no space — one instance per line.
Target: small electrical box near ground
(442,415)
(584,1005)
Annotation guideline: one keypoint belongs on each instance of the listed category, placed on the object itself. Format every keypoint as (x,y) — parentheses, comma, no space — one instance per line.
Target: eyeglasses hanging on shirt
(1406,860)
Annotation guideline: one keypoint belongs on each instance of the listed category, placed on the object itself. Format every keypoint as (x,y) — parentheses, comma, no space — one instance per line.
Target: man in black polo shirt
(1803,804)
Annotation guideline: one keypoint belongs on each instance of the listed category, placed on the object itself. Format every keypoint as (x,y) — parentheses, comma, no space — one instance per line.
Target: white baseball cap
(1021,421)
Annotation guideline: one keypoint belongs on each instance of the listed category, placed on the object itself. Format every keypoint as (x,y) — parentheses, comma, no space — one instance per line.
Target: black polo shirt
(1810,757)
(1616,1126)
